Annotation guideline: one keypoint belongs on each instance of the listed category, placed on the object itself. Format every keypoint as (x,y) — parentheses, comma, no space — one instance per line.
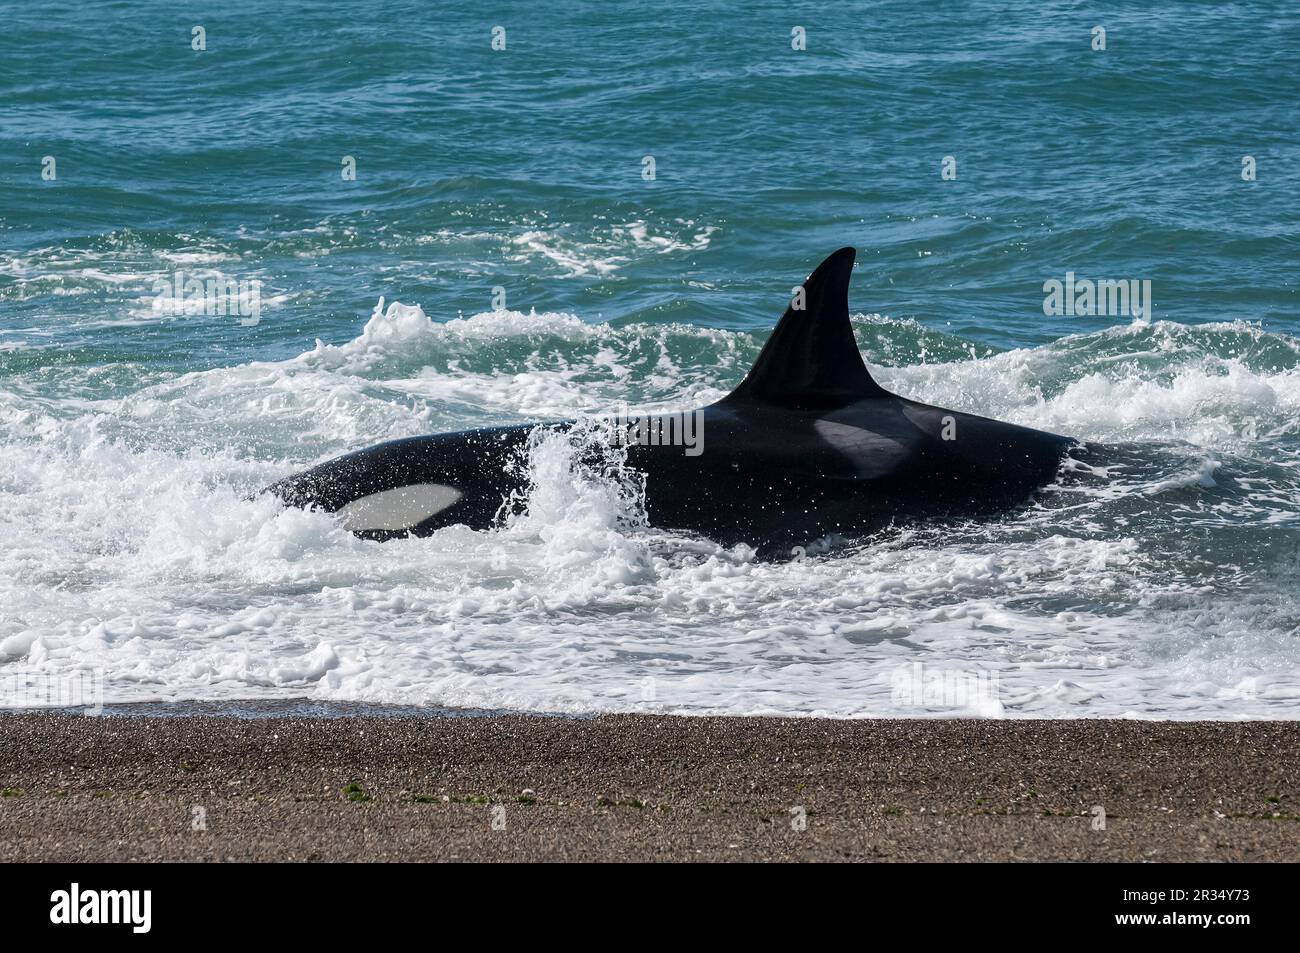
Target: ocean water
(503,254)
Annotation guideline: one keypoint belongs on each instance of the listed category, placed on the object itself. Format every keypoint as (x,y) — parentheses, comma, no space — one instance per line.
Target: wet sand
(643,787)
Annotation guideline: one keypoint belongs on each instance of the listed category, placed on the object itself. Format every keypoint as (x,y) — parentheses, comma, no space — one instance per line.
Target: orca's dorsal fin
(812,359)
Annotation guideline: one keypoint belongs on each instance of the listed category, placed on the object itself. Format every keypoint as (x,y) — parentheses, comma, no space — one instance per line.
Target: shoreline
(491,786)
(256,709)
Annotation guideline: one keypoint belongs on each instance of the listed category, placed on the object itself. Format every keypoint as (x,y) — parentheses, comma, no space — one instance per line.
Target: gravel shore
(644,787)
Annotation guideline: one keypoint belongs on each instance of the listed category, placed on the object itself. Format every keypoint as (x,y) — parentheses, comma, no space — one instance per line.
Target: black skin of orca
(807,446)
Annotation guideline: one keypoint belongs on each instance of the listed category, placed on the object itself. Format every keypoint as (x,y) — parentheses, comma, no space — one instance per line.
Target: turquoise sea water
(129,436)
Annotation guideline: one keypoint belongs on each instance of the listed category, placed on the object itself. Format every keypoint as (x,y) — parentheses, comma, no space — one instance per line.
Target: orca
(808,446)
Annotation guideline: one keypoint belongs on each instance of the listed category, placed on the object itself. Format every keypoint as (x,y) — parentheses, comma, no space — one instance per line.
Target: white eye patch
(399,508)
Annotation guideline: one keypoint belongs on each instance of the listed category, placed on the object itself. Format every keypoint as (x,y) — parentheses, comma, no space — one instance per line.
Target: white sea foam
(603,254)
(1152,584)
